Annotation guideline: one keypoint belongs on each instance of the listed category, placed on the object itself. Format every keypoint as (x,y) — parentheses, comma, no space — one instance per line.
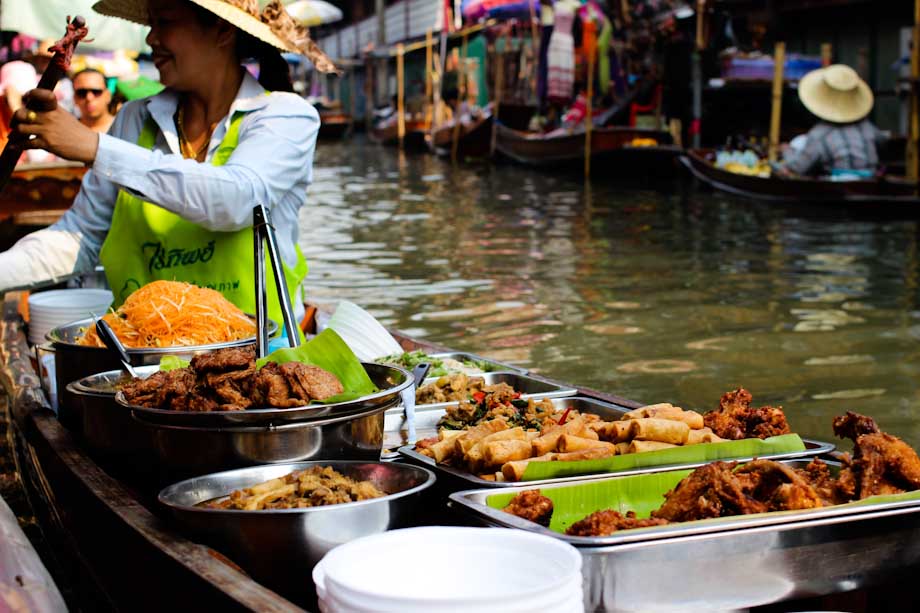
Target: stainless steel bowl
(184,451)
(73,362)
(109,431)
(279,548)
(390,381)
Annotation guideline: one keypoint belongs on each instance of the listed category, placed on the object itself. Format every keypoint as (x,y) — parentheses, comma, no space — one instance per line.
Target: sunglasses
(85,91)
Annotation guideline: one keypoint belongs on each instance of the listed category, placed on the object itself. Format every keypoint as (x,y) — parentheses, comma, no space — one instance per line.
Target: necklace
(184,146)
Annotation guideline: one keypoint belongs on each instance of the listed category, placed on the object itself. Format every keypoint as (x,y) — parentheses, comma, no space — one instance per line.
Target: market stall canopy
(314,12)
(45,18)
(498,9)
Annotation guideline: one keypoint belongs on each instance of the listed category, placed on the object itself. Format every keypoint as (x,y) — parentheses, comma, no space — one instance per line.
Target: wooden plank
(779,61)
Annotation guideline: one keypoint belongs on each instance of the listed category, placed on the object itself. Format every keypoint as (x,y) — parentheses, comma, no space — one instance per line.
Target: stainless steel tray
(391,380)
(530,387)
(494,365)
(733,563)
(453,479)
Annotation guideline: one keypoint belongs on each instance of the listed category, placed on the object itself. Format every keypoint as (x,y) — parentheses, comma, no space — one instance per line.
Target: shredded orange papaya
(175,314)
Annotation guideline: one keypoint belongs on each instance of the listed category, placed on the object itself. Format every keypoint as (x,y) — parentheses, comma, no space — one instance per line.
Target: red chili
(564,415)
(517,395)
(479,396)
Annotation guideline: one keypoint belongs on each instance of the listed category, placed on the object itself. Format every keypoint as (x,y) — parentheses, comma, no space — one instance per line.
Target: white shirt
(272,165)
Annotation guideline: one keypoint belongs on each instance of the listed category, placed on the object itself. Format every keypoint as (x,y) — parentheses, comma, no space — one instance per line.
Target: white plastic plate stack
(484,569)
(48,310)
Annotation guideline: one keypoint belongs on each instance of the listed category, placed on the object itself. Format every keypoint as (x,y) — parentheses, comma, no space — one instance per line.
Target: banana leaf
(706,452)
(326,350)
(640,493)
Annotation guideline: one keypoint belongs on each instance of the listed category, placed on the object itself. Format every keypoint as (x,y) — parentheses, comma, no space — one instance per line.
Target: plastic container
(488,569)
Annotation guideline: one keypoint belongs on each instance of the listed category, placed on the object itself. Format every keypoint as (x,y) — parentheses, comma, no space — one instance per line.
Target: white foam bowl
(48,310)
(490,569)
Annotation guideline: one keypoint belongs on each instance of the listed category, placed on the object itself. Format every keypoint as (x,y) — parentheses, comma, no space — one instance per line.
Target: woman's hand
(54,129)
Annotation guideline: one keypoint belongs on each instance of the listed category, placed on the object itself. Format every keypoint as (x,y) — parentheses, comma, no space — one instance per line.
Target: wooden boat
(473,140)
(541,150)
(413,139)
(898,196)
(115,552)
(334,123)
(36,196)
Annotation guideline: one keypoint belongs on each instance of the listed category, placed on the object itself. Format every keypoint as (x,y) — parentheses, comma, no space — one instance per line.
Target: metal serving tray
(733,563)
(495,365)
(530,387)
(451,479)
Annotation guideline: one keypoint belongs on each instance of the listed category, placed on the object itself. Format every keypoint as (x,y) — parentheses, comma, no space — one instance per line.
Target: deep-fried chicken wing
(709,491)
(881,464)
(853,425)
(608,521)
(735,418)
(778,486)
(532,506)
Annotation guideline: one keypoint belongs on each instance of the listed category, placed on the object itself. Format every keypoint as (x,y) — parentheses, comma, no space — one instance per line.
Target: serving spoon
(108,337)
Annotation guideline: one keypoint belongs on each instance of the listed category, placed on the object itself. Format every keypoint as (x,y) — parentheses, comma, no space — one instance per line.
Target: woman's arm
(273,162)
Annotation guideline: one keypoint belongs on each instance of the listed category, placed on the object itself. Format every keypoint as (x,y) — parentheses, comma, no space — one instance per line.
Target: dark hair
(274,73)
(89,71)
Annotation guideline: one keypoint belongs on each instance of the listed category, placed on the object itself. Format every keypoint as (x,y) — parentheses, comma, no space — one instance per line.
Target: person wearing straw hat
(172,186)
(843,144)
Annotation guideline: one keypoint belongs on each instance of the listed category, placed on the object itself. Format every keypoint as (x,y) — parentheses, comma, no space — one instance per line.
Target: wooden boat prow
(898,195)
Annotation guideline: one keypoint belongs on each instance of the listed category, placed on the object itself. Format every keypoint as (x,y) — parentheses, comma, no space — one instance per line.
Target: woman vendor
(171,187)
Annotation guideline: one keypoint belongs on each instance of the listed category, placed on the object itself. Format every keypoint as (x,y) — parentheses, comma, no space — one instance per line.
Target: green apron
(148,243)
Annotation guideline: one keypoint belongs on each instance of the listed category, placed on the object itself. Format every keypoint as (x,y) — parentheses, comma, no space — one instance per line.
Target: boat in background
(885,195)
(474,139)
(414,138)
(334,123)
(36,196)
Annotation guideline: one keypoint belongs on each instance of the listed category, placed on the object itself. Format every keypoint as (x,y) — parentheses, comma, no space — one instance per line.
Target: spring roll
(642,446)
(549,438)
(703,435)
(570,442)
(496,453)
(614,431)
(660,411)
(514,471)
(442,450)
(661,430)
(691,418)
(622,448)
(586,454)
(476,433)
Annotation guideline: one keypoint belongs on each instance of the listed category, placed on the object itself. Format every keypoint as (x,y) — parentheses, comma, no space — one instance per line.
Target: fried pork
(606,522)
(532,506)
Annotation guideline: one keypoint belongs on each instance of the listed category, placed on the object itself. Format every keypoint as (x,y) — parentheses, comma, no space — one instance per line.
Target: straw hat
(836,94)
(271,23)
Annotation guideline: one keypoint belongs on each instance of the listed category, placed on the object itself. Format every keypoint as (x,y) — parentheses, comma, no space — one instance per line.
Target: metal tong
(262,230)
(111,341)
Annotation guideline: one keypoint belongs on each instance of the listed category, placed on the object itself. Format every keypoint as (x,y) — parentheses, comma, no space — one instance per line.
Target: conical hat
(836,93)
(271,24)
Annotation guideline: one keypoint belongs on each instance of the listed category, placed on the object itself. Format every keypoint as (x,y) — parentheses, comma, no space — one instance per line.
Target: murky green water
(644,294)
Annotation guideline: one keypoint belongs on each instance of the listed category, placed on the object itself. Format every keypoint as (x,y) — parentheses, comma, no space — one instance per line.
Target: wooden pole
(827,54)
(353,99)
(400,95)
(429,100)
(461,95)
(697,74)
(589,114)
(535,39)
(499,85)
(913,148)
(779,61)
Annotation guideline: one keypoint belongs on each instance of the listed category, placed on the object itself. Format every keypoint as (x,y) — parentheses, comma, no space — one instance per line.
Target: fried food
(736,419)
(881,463)
(312,487)
(532,506)
(709,491)
(606,522)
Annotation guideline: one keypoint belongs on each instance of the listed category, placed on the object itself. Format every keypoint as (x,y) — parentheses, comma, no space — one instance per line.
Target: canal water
(649,294)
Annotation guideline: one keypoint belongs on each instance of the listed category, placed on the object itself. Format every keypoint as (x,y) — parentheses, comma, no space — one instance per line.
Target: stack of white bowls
(48,310)
(463,569)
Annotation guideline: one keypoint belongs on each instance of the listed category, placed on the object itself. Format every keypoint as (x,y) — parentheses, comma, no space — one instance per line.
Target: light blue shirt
(272,165)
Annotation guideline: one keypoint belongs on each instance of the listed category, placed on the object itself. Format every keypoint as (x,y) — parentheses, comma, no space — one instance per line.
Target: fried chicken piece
(831,491)
(778,486)
(853,425)
(608,521)
(735,418)
(532,506)
(223,360)
(712,490)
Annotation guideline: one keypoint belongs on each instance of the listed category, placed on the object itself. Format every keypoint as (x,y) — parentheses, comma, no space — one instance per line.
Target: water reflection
(649,295)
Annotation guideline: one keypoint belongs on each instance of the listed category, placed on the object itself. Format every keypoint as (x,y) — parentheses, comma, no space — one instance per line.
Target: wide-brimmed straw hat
(271,23)
(836,93)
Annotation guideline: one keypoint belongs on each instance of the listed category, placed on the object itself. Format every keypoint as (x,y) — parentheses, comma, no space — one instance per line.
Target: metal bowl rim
(256,414)
(430,479)
(52,337)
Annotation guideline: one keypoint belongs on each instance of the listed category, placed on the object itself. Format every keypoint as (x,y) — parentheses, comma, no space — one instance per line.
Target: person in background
(92,99)
(843,144)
